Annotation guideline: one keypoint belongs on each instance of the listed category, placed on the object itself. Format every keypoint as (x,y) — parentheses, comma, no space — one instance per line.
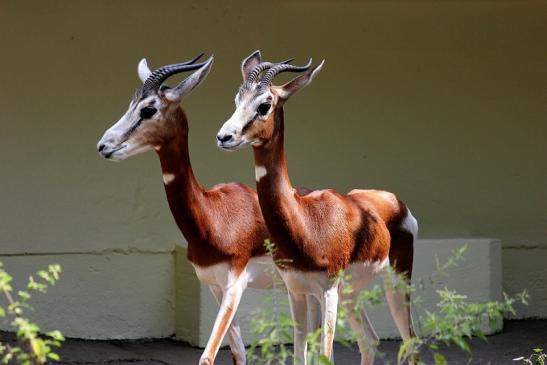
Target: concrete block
(526,268)
(478,277)
(108,296)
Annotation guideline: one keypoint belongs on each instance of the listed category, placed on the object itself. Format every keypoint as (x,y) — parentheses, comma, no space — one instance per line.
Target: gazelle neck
(270,164)
(184,193)
(276,195)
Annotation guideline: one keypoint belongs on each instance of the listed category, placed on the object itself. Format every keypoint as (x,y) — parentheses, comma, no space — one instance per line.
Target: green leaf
(2,312)
(24,295)
(538,350)
(53,356)
(439,359)
(481,335)
(461,343)
(403,350)
(323,360)
(56,335)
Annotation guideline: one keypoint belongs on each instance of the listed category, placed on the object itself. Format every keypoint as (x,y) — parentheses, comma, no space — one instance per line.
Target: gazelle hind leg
(401,256)
(237,346)
(367,339)
(399,307)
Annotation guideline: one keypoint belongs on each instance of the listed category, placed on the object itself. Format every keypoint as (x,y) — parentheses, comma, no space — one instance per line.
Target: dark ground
(517,339)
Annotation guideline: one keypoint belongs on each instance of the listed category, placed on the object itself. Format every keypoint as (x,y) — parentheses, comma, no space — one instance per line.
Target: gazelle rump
(223,226)
(322,232)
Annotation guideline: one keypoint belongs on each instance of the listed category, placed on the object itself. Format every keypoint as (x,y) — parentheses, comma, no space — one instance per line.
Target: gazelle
(223,226)
(323,232)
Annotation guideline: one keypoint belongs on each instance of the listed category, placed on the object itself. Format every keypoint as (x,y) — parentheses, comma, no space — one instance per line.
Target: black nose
(224,138)
(101,147)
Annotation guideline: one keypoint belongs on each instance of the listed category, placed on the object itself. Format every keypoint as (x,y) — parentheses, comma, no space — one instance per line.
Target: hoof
(237,360)
(205,361)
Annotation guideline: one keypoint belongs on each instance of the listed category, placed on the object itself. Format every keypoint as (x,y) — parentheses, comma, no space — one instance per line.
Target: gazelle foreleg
(330,310)
(299,313)
(231,296)
(237,345)
(314,313)
(314,319)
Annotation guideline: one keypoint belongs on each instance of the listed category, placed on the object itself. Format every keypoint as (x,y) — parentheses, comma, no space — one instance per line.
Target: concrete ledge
(153,295)
(102,296)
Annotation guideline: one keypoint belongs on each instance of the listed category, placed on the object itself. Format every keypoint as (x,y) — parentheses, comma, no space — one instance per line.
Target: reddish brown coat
(322,230)
(220,224)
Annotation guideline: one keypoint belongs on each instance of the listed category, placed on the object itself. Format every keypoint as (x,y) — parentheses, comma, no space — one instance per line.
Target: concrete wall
(102,296)
(442,102)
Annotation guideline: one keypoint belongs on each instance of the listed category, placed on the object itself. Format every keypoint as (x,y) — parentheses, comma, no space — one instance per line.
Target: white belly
(358,275)
(258,273)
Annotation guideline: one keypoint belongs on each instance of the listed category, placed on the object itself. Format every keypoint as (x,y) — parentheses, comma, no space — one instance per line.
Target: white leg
(400,310)
(314,313)
(234,332)
(314,319)
(367,340)
(230,301)
(330,298)
(299,314)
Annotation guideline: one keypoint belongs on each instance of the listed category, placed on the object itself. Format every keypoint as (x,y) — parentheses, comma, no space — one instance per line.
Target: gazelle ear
(249,63)
(299,82)
(189,83)
(143,70)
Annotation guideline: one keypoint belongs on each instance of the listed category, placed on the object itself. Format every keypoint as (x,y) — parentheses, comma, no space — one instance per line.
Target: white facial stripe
(130,117)
(149,101)
(260,172)
(237,121)
(246,107)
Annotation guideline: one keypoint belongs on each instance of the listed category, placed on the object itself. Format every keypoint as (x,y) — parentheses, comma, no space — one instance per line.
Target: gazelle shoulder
(322,194)
(230,189)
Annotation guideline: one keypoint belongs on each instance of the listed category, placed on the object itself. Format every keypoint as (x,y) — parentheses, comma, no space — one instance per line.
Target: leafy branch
(31,348)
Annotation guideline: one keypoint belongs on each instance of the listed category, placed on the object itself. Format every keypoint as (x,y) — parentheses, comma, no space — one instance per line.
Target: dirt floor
(517,339)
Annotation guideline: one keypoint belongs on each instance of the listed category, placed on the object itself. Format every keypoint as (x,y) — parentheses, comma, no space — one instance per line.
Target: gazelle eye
(263,109)
(148,112)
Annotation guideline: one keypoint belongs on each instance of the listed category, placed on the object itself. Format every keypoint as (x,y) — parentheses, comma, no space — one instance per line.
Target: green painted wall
(442,102)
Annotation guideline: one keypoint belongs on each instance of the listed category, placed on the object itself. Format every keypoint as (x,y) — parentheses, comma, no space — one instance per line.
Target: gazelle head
(149,121)
(258,101)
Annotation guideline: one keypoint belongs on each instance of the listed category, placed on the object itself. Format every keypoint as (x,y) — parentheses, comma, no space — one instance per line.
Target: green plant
(273,326)
(455,320)
(31,348)
(538,357)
